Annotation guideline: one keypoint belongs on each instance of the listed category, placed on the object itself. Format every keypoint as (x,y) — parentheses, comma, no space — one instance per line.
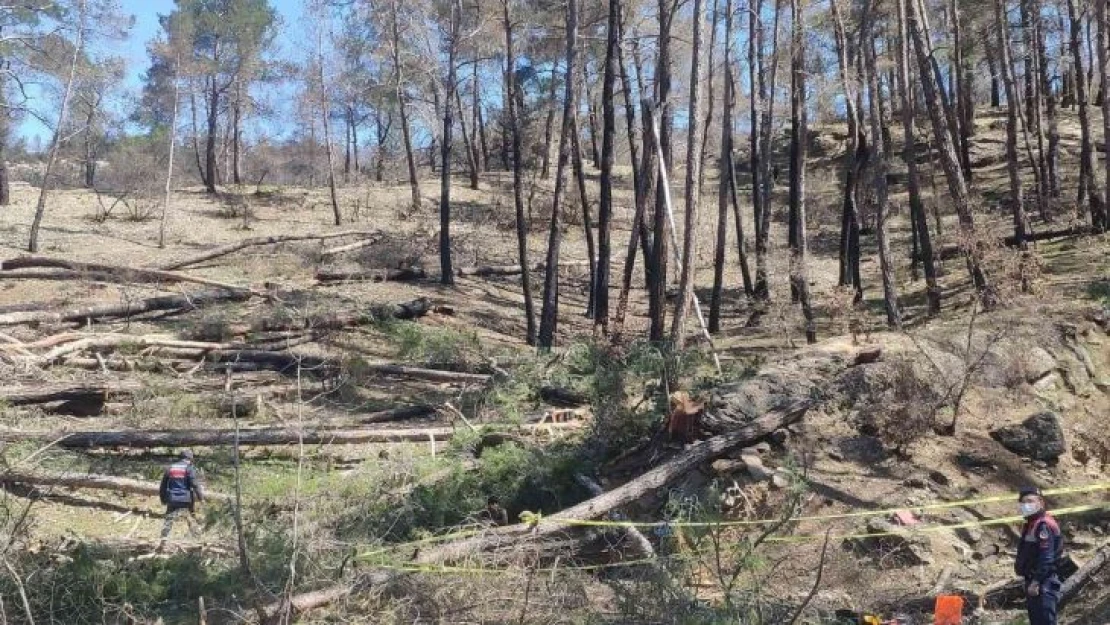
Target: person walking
(180,490)
(1039,553)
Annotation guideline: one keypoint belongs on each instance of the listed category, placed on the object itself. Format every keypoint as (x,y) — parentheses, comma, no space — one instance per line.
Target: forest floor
(478,326)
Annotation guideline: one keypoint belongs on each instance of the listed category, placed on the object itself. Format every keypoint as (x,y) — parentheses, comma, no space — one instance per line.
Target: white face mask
(1029,509)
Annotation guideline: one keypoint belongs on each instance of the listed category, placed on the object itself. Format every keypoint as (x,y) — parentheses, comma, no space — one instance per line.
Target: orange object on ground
(949,610)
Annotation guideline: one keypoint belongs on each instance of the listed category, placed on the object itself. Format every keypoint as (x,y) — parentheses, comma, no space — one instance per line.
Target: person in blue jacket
(179,492)
(1039,553)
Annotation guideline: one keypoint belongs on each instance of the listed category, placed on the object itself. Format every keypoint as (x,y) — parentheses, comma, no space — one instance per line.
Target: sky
(146,28)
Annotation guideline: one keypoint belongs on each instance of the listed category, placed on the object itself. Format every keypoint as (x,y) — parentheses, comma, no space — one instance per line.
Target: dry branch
(126,309)
(257,241)
(350,247)
(483,271)
(125,274)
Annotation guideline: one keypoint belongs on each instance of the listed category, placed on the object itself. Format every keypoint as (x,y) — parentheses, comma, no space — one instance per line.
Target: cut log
(1047,235)
(417,373)
(402,413)
(88,400)
(410,274)
(350,247)
(93,482)
(1083,576)
(298,604)
(257,241)
(128,309)
(636,537)
(126,274)
(311,434)
(404,311)
(647,483)
(24,396)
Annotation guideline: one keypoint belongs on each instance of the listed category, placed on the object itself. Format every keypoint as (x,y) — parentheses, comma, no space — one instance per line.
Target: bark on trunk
(402,106)
(1089,191)
(210,179)
(550,315)
(89,314)
(799,280)
(446,275)
(1104,79)
(693,168)
(579,170)
(659,247)
(724,184)
(605,202)
(518,176)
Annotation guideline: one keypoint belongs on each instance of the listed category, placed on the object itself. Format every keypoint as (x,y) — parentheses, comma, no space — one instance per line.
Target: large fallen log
(127,309)
(26,396)
(126,274)
(627,493)
(1046,235)
(410,274)
(257,241)
(87,400)
(296,605)
(311,434)
(92,481)
(403,311)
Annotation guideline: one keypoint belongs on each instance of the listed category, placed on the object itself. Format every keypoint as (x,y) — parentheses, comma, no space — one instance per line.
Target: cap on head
(1029,490)
(187,454)
(492,500)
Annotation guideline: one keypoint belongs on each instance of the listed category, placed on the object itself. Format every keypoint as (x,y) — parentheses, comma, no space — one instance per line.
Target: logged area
(566,346)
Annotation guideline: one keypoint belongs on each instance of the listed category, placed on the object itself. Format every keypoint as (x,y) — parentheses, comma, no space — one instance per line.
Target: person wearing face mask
(1041,548)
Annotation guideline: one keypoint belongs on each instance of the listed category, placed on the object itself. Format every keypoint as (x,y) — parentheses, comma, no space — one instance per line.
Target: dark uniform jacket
(1041,548)
(180,486)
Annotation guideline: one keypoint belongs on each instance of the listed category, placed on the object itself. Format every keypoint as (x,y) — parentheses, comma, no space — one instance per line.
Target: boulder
(1040,437)
(891,544)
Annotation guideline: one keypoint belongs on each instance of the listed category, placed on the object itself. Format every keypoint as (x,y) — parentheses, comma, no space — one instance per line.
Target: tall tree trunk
(757,93)
(579,170)
(879,170)
(762,169)
(348,120)
(468,145)
(1029,21)
(90,156)
(169,163)
(594,152)
(643,174)
(693,167)
(549,317)
(726,176)
(857,147)
(236,135)
(480,122)
(5,137)
(957,185)
(325,118)
(710,100)
(402,104)
(944,99)
(992,67)
(1088,184)
(354,142)
(608,135)
(548,126)
(383,135)
(210,142)
(799,129)
(447,274)
(1021,220)
(518,176)
(56,140)
(923,239)
(959,96)
(1104,79)
(659,246)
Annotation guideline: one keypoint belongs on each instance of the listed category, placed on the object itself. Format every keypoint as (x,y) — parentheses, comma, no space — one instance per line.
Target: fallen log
(98,312)
(1033,237)
(563,397)
(402,413)
(1083,576)
(26,396)
(410,274)
(93,481)
(298,604)
(486,271)
(88,400)
(126,274)
(312,434)
(350,247)
(627,493)
(403,311)
(257,241)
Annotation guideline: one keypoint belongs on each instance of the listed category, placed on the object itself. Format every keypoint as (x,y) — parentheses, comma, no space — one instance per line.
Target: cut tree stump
(257,241)
(98,312)
(311,434)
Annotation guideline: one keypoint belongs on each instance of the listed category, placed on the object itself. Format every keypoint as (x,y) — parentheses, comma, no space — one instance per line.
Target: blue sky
(146,28)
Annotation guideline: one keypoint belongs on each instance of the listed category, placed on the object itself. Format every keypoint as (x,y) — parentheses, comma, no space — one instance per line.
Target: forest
(588,311)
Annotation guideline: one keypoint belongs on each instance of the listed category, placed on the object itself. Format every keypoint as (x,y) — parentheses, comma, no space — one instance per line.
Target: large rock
(1040,437)
(891,544)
